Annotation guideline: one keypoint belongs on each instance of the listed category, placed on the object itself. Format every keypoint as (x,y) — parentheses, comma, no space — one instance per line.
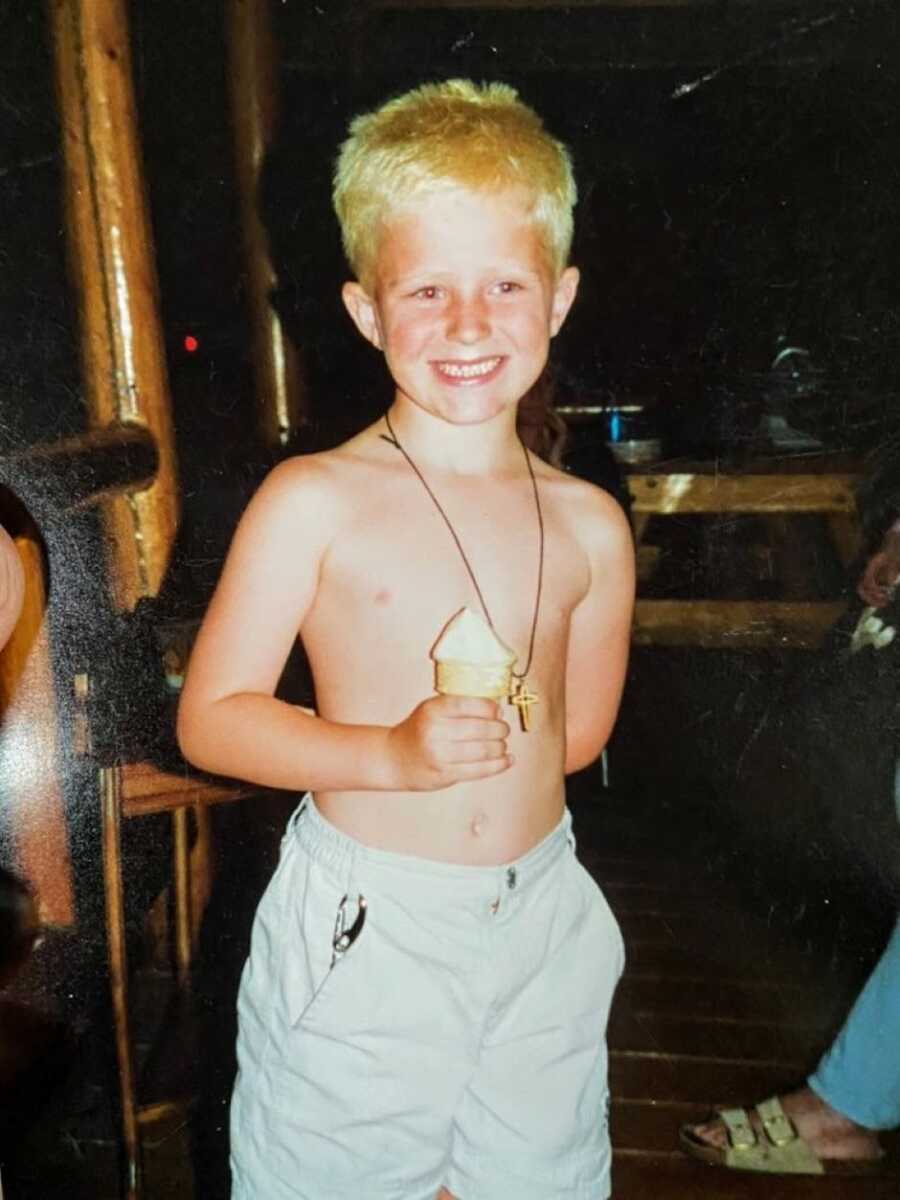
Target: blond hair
(452,133)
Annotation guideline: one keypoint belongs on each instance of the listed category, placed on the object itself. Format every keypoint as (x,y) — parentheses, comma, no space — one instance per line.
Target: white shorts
(458,1040)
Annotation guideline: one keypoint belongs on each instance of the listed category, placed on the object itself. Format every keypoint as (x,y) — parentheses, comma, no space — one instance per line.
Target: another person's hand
(446,740)
(12,586)
(881,571)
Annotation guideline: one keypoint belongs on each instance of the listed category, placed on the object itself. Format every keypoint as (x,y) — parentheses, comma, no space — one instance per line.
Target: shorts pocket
(327,908)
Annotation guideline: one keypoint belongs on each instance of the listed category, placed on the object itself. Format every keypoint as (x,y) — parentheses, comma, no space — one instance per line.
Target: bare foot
(826,1132)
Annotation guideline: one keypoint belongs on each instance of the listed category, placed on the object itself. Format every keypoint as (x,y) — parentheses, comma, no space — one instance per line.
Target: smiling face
(463,303)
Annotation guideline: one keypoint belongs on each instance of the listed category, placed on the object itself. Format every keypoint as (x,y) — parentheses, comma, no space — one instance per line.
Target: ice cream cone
(470,660)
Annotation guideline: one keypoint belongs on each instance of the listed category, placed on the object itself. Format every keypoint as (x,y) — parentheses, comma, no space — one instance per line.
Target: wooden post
(112,262)
(280,387)
(33,800)
(181,860)
(117,949)
(203,866)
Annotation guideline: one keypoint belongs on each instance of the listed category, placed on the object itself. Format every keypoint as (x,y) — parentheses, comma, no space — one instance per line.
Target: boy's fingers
(474,730)
(480,770)
(481,751)
(468,706)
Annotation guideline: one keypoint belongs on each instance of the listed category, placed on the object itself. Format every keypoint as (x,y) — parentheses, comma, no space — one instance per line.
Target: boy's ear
(563,295)
(362,312)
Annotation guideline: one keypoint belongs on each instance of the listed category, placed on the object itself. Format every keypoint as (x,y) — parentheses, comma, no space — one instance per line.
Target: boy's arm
(600,631)
(229,721)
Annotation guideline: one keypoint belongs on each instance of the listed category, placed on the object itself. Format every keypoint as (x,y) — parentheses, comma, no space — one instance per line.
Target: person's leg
(855,1090)
(859,1076)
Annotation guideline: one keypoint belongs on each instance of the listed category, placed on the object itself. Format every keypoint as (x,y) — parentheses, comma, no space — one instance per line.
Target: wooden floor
(718,1004)
(714,1008)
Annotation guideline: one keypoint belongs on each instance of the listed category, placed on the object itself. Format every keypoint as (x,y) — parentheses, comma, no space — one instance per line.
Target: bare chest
(396,574)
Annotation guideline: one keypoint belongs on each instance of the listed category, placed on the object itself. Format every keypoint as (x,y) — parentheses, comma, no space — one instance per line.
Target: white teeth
(468,370)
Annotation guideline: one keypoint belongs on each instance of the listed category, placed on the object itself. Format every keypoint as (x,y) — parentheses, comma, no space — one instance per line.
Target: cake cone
(470,660)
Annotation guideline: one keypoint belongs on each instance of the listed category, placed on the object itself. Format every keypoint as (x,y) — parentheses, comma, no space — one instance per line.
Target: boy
(424,1006)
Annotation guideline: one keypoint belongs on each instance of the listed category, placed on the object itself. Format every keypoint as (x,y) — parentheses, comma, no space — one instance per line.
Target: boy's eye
(507,286)
(429,292)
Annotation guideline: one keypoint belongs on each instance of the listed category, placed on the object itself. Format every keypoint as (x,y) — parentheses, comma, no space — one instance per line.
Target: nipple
(478,823)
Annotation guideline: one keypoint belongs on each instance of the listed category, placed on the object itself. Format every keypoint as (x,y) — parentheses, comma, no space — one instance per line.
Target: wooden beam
(82,470)
(111,253)
(280,387)
(671,494)
(734,624)
(33,798)
(117,955)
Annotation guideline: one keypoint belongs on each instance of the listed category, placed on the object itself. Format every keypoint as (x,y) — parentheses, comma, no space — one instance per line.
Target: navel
(479,821)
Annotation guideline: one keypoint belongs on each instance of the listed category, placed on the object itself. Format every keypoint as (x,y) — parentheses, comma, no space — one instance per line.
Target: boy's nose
(468,320)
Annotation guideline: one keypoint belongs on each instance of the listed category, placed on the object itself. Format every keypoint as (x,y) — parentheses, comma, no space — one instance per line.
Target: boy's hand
(446,740)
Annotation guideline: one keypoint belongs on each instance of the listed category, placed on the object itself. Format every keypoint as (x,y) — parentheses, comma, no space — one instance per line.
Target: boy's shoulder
(590,507)
(592,516)
(310,497)
(323,473)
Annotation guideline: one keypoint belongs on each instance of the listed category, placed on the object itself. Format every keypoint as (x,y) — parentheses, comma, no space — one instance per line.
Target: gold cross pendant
(523,697)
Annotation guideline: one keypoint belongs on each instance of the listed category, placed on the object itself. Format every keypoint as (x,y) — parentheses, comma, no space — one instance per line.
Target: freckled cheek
(409,339)
(528,331)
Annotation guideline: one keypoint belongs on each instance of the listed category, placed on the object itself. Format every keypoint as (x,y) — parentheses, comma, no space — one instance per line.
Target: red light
(191,344)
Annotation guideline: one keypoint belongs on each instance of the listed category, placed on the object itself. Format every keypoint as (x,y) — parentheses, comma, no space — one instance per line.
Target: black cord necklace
(522,696)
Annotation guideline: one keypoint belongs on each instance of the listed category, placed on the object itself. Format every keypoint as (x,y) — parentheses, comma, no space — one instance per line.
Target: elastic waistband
(324,842)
